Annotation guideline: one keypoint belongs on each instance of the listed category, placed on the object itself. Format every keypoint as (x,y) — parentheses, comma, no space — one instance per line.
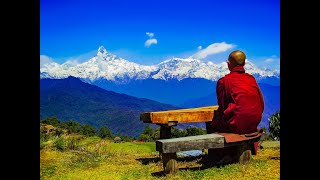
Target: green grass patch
(271,144)
(48,171)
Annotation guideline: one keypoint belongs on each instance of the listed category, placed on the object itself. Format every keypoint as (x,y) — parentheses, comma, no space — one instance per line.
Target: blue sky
(148,32)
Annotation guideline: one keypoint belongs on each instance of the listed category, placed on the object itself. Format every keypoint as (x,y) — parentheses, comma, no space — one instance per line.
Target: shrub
(72,143)
(104,132)
(274,126)
(176,133)
(60,144)
(52,121)
(147,134)
(43,139)
(88,130)
(71,126)
(194,131)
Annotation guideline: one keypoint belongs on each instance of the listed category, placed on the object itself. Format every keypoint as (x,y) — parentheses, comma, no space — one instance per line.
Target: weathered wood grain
(201,114)
(190,143)
(208,141)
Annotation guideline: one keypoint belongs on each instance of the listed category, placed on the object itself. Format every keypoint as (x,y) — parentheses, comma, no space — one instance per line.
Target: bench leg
(169,162)
(244,153)
(234,154)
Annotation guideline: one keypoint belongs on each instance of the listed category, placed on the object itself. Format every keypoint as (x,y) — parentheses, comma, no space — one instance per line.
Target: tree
(104,132)
(147,134)
(88,130)
(274,126)
(145,137)
(148,131)
(71,126)
(156,134)
(51,120)
(193,131)
(176,133)
(126,138)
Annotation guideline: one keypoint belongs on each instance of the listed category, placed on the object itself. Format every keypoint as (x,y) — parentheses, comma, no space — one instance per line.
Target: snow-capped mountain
(104,65)
(111,67)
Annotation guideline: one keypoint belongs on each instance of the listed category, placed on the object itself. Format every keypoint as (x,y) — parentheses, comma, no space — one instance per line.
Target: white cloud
(45,60)
(149,42)
(214,48)
(199,47)
(269,60)
(150,34)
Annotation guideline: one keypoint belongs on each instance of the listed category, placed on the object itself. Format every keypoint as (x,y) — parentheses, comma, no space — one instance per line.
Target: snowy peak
(111,67)
(102,51)
(104,55)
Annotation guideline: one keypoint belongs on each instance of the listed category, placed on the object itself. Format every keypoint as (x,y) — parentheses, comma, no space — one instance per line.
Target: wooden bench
(239,150)
(238,147)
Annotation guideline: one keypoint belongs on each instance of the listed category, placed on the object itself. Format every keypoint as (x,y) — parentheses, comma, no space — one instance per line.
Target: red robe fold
(240,103)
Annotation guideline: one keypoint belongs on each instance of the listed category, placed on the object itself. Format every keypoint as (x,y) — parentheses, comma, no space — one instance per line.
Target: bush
(72,143)
(60,144)
(145,137)
(52,121)
(43,139)
(274,126)
(193,131)
(71,126)
(147,134)
(127,138)
(267,135)
(88,130)
(176,133)
(104,132)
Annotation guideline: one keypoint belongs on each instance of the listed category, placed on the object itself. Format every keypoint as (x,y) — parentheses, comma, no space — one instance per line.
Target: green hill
(71,98)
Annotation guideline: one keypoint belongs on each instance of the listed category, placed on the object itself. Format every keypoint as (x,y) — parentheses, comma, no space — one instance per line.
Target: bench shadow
(146,161)
(206,163)
(204,160)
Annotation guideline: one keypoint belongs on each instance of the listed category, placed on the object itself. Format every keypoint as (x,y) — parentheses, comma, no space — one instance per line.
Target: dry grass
(100,159)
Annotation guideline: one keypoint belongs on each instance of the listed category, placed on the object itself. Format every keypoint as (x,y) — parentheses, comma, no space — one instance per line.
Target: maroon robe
(240,103)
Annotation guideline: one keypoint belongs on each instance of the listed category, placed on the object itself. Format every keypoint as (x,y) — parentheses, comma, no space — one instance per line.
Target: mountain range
(108,66)
(179,82)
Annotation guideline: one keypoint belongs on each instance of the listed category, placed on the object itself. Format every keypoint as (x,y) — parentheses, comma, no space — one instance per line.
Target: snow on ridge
(111,67)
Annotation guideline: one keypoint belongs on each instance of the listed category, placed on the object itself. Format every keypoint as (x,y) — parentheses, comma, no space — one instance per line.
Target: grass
(271,144)
(95,158)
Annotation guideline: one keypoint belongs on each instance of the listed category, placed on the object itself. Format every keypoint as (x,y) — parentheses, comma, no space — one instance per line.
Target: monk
(240,99)
(240,103)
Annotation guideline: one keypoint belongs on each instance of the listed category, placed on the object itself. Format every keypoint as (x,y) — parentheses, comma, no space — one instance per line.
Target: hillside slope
(71,98)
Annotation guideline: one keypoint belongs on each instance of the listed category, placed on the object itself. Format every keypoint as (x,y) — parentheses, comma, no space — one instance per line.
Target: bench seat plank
(199,142)
(207,141)
(201,114)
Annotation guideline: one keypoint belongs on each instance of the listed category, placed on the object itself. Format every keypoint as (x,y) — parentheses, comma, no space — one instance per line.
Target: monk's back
(248,105)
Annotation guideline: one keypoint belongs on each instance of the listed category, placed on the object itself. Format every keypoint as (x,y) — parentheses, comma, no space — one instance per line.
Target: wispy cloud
(74,60)
(199,47)
(151,40)
(269,60)
(214,48)
(150,34)
(45,60)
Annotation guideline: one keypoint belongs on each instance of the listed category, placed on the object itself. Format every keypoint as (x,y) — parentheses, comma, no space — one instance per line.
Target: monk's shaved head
(237,57)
